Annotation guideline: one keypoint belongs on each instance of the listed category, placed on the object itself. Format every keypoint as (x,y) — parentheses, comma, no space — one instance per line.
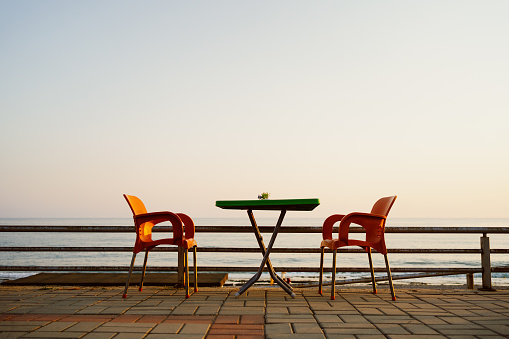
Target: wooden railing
(484,251)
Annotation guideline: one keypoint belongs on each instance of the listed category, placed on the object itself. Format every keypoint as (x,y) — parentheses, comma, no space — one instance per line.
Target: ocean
(393,240)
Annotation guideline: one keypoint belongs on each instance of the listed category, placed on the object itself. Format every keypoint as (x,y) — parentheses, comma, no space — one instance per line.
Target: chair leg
(372,270)
(186,260)
(390,277)
(195,270)
(333,287)
(129,276)
(143,271)
(321,270)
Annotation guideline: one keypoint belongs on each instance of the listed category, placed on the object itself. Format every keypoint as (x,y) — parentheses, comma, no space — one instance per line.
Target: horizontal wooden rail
(248,229)
(248,250)
(452,270)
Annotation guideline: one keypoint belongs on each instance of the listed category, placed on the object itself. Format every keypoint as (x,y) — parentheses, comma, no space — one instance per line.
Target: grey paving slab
(278,328)
(419,329)
(56,326)
(39,334)
(130,336)
(124,327)
(174,336)
(83,326)
(167,328)
(301,328)
(295,336)
(96,335)
(390,329)
(12,335)
(194,329)
(287,318)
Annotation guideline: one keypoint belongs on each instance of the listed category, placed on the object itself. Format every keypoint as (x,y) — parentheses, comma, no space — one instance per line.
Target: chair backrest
(383,205)
(137,206)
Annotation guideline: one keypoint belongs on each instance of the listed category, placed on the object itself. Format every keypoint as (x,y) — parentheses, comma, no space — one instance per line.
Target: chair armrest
(369,221)
(188,225)
(328,224)
(158,217)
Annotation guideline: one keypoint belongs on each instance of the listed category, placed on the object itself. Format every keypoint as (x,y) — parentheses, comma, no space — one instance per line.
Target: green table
(268,204)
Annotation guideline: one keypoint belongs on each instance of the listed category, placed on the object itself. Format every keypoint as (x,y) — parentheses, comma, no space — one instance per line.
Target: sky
(183,103)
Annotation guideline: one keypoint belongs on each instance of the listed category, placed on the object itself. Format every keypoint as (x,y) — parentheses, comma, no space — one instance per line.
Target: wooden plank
(116,279)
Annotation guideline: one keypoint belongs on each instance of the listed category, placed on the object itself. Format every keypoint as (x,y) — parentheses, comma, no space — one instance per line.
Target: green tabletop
(270,204)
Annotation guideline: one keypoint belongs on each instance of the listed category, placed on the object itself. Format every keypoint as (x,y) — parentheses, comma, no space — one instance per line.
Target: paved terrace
(157,312)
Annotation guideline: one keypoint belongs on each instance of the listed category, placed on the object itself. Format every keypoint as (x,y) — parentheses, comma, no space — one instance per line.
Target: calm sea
(459,241)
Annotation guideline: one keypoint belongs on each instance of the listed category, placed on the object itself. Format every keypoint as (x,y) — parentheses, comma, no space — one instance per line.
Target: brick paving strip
(158,312)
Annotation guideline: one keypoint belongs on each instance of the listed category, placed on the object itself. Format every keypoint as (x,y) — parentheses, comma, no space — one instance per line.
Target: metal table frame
(281,205)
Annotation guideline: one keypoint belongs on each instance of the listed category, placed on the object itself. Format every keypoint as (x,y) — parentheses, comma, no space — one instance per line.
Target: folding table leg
(266,261)
(259,238)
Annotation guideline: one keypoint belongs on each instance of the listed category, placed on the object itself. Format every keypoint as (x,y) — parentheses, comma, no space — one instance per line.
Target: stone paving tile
(430,320)
(277,310)
(126,318)
(420,336)
(419,329)
(283,318)
(189,319)
(241,310)
(88,317)
(91,310)
(391,329)
(184,310)
(352,331)
(124,327)
(300,328)
(462,330)
(236,329)
(398,319)
(328,318)
(194,329)
(299,310)
(369,311)
(167,328)
(206,310)
(349,318)
(11,335)
(83,327)
(155,319)
(173,336)
(148,311)
(279,328)
(56,326)
(502,329)
(39,334)
(21,326)
(349,325)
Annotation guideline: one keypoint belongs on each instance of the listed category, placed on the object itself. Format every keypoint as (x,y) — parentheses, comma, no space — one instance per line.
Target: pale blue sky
(185,103)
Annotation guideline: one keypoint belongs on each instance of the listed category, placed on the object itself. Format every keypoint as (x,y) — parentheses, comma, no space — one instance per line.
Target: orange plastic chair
(373,223)
(144,222)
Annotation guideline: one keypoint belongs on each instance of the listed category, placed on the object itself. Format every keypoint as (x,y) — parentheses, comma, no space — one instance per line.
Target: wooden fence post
(470,281)
(486,263)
